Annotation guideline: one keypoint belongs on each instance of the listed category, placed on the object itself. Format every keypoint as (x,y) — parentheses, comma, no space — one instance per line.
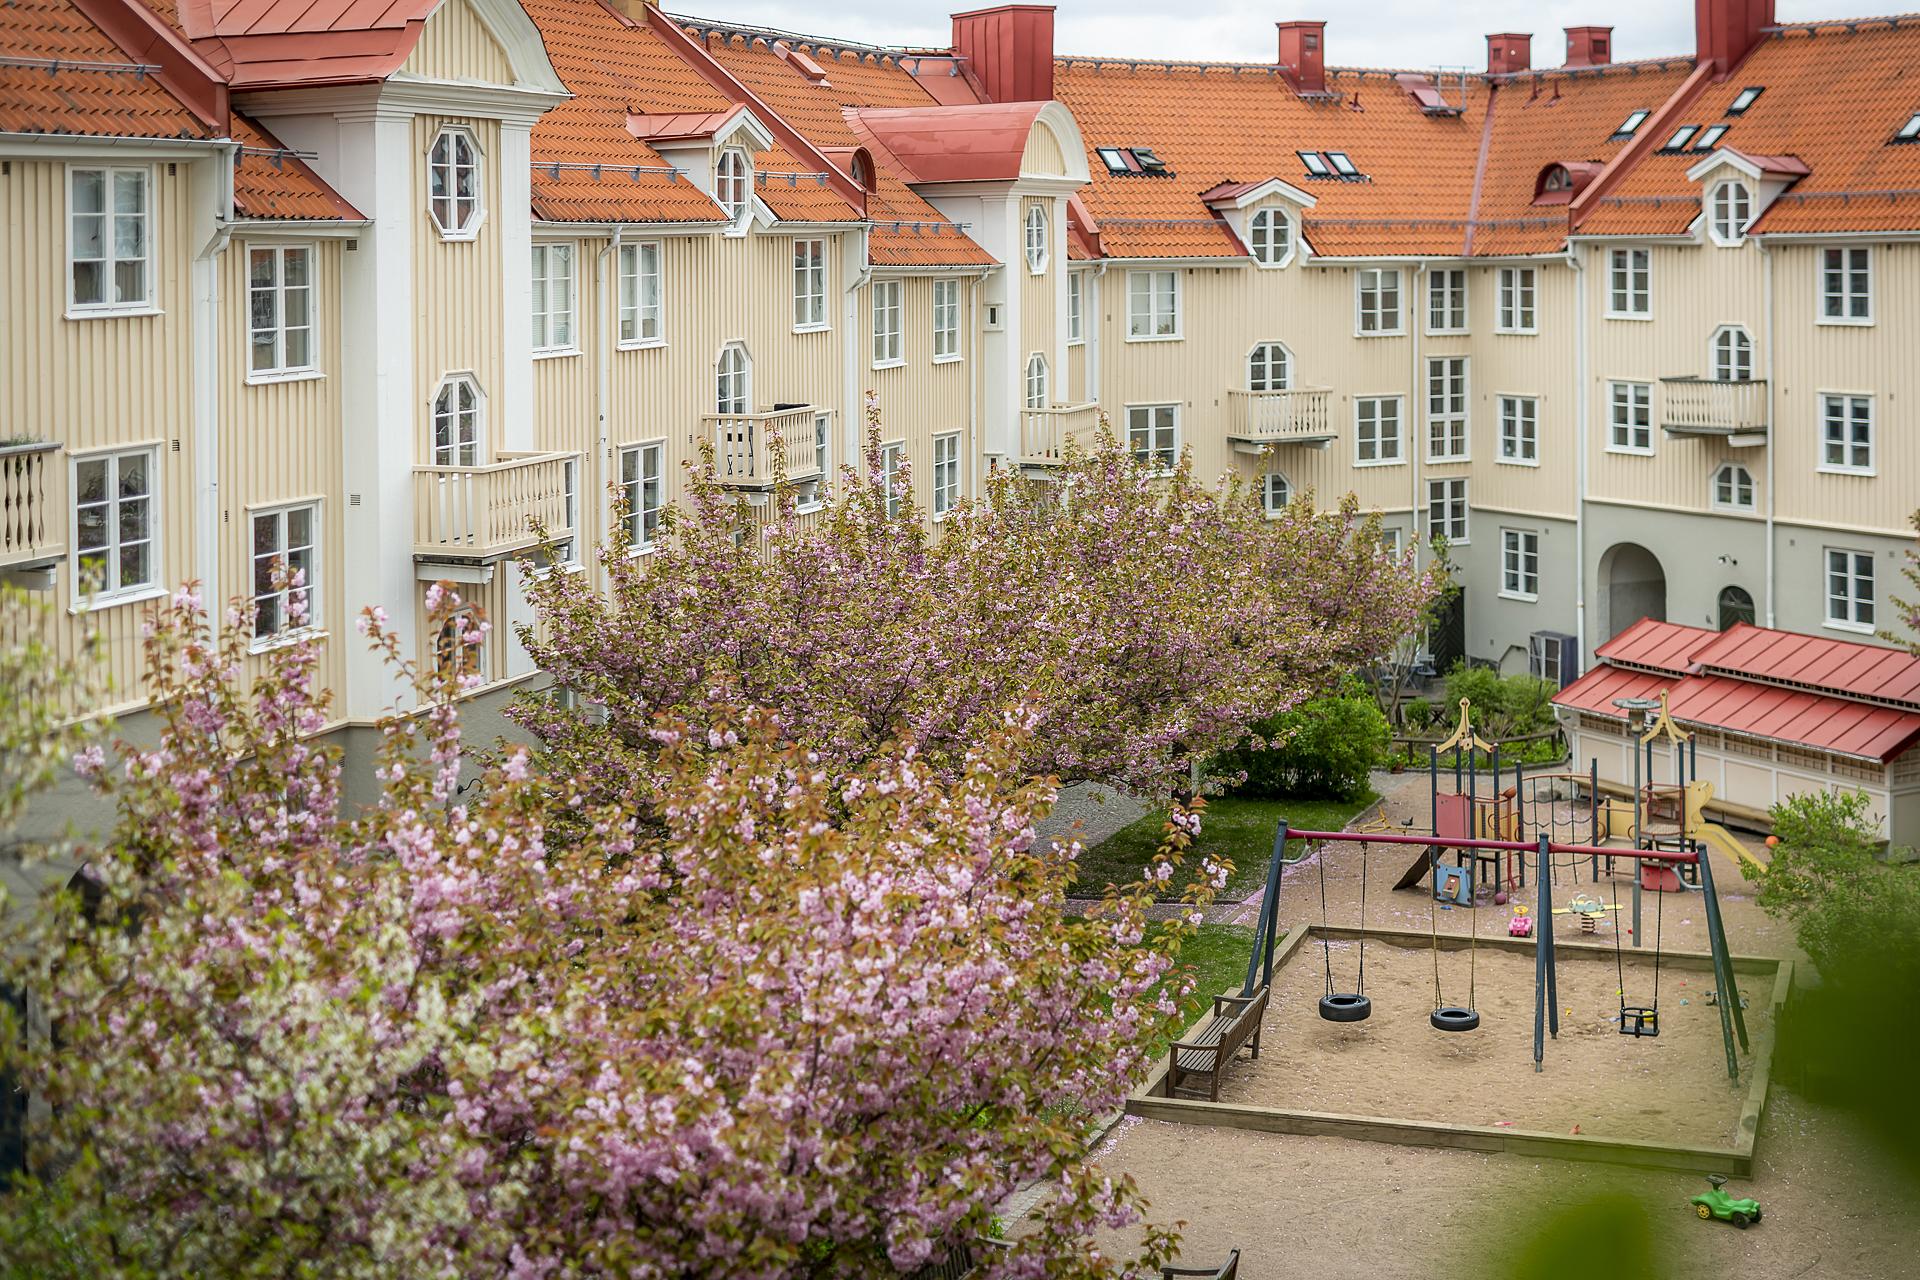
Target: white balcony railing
(33,505)
(1044,432)
(744,445)
(1299,415)
(1736,412)
(485,513)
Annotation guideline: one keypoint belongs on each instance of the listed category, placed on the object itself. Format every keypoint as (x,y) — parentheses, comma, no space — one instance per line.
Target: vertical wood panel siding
(1540,365)
(456,45)
(1037,308)
(921,399)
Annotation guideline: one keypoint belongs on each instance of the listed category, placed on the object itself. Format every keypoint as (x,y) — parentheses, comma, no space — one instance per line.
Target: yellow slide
(1712,834)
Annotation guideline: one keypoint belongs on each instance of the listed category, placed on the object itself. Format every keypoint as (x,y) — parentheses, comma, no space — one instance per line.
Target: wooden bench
(1235,1022)
(1229,1270)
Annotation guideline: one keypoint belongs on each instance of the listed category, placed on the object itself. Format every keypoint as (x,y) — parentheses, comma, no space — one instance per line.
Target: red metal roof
(1840,666)
(1663,646)
(981,142)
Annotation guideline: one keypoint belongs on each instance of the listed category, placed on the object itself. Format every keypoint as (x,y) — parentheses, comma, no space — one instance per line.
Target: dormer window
(1270,237)
(1316,164)
(731,181)
(1729,209)
(1746,99)
(1681,137)
(1910,131)
(1631,125)
(453,184)
(1036,243)
(1557,179)
(862,173)
(1710,137)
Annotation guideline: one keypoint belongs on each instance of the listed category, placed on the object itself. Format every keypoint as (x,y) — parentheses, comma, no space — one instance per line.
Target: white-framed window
(115,525)
(1376,430)
(643,491)
(1037,248)
(1520,564)
(822,444)
(1447,409)
(1153,305)
(640,293)
(1447,300)
(1276,491)
(1629,284)
(1846,434)
(553,294)
(1516,312)
(109,238)
(1731,354)
(890,457)
(1076,307)
(1037,391)
(946,320)
(946,473)
(1269,367)
(568,549)
(285,546)
(732,181)
(1732,487)
(279,310)
(453,184)
(1153,433)
(1846,286)
(458,419)
(1520,430)
(1377,300)
(1390,543)
(452,655)
(1447,509)
(809,284)
(1729,209)
(733,380)
(1630,417)
(1270,237)
(888,344)
(1850,589)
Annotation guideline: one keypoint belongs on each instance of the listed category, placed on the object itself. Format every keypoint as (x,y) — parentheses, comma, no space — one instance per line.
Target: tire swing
(1637,1020)
(1344,1006)
(1453,1017)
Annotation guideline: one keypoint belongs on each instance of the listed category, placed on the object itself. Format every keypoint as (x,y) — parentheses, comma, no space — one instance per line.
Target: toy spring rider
(1740,1211)
(1521,926)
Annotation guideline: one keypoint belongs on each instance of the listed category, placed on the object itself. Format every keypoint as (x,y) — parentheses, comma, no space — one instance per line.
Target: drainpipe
(976,456)
(1416,419)
(1576,258)
(1773,447)
(1091,302)
(217,207)
(853,428)
(596,467)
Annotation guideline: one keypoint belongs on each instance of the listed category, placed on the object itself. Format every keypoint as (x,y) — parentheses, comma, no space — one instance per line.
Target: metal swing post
(1639,825)
(1593,816)
(1264,930)
(1732,1017)
(1543,962)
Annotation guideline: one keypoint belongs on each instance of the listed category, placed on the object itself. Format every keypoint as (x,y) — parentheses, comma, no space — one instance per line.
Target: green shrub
(1323,749)
(1503,706)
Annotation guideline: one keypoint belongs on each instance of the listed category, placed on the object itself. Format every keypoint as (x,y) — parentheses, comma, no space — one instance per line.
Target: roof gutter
(1651,131)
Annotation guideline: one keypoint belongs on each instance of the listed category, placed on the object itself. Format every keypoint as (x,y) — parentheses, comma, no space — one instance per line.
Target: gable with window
(642,492)
(457,414)
(1153,433)
(640,294)
(279,311)
(809,284)
(1630,417)
(889,350)
(946,320)
(1447,409)
(1850,589)
(1520,430)
(115,525)
(1516,310)
(1270,237)
(1447,300)
(1376,430)
(110,238)
(1732,354)
(732,181)
(1377,298)
(1520,564)
(1038,252)
(286,583)
(1630,284)
(1846,286)
(453,184)
(1733,487)
(553,294)
(1447,510)
(946,473)
(1729,210)
(1846,434)
(1269,368)
(1153,305)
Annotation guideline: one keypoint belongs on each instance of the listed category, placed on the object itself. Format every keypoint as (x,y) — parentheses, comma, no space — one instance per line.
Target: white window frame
(1389,450)
(1270,238)
(1518,297)
(1730,354)
(640,269)
(1153,452)
(1729,202)
(1850,448)
(733,380)
(733,182)
(278,291)
(1520,431)
(1520,564)
(1849,561)
(889,331)
(468,662)
(466,228)
(1267,486)
(1445,492)
(809,285)
(1447,296)
(1630,284)
(555,331)
(891,454)
(946,321)
(1036,242)
(946,473)
(1038,382)
(1845,273)
(1449,413)
(1161,321)
(642,519)
(1371,286)
(1731,471)
(279,513)
(1076,308)
(1261,364)
(112,589)
(822,456)
(1621,435)
(108,305)
(450,454)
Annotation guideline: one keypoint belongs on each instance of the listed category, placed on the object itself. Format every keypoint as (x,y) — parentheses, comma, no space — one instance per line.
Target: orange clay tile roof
(106,94)
(279,185)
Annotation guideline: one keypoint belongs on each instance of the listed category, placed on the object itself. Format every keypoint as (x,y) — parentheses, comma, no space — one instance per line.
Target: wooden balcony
(480,514)
(1044,432)
(1736,412)
(1299,415)
(33,507)
(744,445)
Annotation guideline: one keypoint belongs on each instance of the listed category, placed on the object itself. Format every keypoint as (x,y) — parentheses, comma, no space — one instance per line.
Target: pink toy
(1521,926)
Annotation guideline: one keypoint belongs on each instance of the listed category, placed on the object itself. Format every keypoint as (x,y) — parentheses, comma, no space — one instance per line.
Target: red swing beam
(1517,846)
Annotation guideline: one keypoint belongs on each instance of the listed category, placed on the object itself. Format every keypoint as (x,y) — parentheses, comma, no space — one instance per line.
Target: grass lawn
(1239,830)
(1219,952)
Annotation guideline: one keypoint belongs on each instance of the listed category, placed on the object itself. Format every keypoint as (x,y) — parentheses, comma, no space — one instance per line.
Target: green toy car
(1718,1204)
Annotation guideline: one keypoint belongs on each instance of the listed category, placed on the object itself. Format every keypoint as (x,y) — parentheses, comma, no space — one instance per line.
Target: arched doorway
(1633,585)
(1736,605)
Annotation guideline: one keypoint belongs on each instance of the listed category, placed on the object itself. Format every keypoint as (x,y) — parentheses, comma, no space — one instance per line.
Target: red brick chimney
(1303,52)
(1725,31)
(1509,52)
(1589,46)
(1009,50)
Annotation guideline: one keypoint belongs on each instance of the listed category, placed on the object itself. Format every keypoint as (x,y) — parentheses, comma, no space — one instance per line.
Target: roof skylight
(1341,165)
(1745,100)
(1317,165)
(1710,137)
(1114,159)
(1631,125)
(1138,161)
(1910,131)
(1149,162)
(1681,137)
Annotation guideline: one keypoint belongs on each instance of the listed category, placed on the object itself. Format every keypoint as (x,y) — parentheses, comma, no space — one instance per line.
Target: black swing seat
(1451,1017)
(1639,1020)
(1346,1007)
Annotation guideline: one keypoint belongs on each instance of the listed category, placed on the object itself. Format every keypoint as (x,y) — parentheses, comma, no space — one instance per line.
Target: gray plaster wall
(1498,627)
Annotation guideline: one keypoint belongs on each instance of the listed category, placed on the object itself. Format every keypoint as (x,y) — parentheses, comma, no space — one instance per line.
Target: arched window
(1732,354)
(1729,209)
(1733,487)
(1735,606)
(456,423)
(453,183)
(733,380)
(1036,381)
(1269,368)
(1557,179)
(1276,492)
(730,181)
(1270,237)
(1037,250)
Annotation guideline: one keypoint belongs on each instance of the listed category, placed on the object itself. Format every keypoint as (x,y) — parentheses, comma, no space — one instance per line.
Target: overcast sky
(1378,33)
